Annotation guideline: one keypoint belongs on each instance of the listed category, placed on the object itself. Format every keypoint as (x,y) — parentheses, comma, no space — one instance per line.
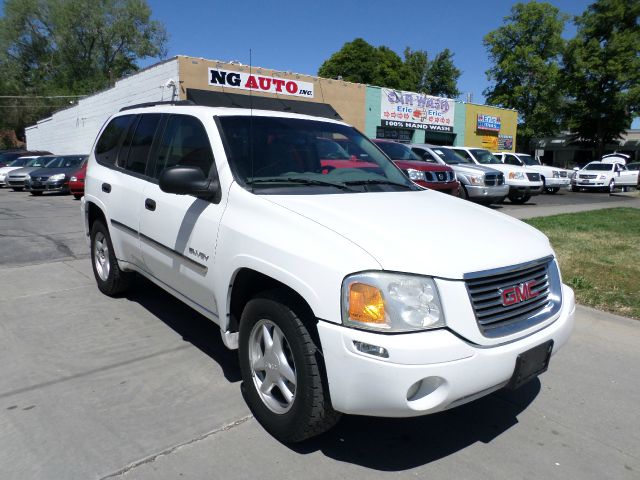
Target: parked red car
(76,182)
(425,174)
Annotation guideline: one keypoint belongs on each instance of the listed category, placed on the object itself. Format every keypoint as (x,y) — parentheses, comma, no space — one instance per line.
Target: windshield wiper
(300,181)
(378,182)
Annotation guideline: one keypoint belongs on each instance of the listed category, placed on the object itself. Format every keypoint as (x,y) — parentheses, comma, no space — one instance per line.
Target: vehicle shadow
(194,328)
(394,444)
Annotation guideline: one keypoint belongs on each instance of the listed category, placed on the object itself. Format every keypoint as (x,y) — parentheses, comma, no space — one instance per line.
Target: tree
(525,74)
(360,62)
(442,76)
(603,71)
(64,47)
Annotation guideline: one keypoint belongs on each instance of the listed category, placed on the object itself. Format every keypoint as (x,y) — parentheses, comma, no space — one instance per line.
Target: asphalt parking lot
(142,387)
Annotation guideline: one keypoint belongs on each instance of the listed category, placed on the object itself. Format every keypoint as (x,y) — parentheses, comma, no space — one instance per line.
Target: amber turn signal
(366,304)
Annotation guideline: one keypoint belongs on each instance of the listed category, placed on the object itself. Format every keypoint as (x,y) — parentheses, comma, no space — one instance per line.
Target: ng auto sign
(416,110)
(259,83)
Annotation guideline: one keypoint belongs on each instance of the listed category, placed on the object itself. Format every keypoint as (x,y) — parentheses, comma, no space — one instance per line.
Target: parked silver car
(478,183)
(16,179)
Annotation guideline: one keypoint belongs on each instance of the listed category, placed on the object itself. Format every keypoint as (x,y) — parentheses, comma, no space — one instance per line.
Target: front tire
(110,279)
(36,194)
(281,373)
(612,186)
(77,196)
(519,199)
(463,193)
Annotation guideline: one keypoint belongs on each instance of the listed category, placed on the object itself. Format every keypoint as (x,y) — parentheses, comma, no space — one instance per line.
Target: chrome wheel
(272,366)
(101,256)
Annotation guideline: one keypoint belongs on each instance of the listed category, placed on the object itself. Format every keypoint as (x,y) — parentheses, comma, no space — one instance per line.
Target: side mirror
(188,181)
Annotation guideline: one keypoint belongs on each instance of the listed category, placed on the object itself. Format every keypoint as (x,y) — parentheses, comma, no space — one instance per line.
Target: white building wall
(74,130)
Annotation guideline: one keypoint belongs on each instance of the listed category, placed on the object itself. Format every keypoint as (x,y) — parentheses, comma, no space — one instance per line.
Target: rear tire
(553,190)
(110,279)
(612,186)
(77,196)
(282,375)
(574,188)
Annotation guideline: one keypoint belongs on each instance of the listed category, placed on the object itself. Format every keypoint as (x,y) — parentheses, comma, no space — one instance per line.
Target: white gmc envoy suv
(345,290)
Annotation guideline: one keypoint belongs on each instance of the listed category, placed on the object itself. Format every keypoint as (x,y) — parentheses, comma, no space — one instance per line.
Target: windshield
(528,160)
(485,156)
(65,162)
(449,156)
(38,162)
(600,167)
(397,151)
(18,162)
(294,156)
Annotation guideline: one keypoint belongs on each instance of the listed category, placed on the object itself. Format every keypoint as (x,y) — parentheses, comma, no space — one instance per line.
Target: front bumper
(486,194)
(452,188)
(15,183)
(557,182)
(448,370)
(57,186)
(528,189)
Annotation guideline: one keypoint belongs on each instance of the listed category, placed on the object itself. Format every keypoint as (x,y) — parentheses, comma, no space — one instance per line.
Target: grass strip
(599,255)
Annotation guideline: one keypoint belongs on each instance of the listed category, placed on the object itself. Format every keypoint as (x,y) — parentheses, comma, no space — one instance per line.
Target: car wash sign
(259,83)
(416,110)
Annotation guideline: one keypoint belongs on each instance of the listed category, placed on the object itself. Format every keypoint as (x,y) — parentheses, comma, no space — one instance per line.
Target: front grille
(486,294)
(493,179)
(439,176)
(533,177)
(588,177)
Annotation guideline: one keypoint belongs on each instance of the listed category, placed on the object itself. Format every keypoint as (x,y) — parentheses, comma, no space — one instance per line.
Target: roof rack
(153,104)
(235,100)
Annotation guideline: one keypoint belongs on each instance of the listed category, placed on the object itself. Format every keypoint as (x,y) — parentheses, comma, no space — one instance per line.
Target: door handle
(106,188)
(150,204)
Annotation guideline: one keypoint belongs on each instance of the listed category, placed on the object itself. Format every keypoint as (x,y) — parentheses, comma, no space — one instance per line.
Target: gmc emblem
(518,293)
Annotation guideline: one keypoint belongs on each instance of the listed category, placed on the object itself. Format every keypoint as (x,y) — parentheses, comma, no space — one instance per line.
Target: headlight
(603,177)
(27,178)
(516,176)
(73,179)
(3,175)
(556,174)
(56,177)
(391,302)
(476,179)
(415,174)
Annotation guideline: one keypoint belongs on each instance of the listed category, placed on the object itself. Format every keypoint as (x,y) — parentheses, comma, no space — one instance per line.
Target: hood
(47,172)
(473,169)
(420,165)
(23,171)
(423,232)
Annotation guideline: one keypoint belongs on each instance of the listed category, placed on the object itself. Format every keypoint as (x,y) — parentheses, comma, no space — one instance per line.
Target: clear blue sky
(299,36)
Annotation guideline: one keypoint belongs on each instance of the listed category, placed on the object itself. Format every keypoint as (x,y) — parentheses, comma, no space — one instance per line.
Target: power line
(42,96)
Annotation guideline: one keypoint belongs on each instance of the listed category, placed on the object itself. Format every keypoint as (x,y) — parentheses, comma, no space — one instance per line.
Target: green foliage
(442,76)
(525,74)
(603,70)
(360,62)
(66,47)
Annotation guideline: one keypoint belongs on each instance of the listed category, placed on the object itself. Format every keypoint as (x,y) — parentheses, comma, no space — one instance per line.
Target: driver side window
(184,142)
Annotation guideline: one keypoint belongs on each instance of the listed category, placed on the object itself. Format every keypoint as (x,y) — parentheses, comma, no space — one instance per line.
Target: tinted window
(397,151)
(509,159)
(66,161)
(184,142)
(18,162)
(463,154)
(485,156)
(601,167)
(107,147)
(138,145)
(451,157)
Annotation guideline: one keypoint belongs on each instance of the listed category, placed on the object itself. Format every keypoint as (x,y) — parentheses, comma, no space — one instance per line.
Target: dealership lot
(142,387)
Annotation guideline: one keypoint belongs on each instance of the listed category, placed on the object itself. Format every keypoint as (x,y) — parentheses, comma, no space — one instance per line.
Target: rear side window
(463,153)
(185,143)
(135,152)
(107,147)
(511,160)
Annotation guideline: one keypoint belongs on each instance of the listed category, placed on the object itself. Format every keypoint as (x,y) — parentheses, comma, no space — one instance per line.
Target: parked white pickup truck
(553,179)
(349,290)
(604,176)
(523,183)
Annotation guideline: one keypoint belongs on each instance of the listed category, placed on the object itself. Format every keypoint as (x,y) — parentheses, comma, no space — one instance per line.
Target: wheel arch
(246,283)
